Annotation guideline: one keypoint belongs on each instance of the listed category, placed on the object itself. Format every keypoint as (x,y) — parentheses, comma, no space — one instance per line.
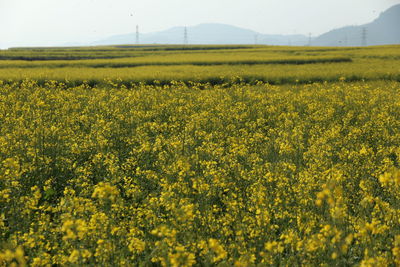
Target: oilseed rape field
(200,156)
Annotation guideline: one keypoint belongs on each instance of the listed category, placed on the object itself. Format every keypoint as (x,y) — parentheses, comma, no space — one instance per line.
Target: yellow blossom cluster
(200,175)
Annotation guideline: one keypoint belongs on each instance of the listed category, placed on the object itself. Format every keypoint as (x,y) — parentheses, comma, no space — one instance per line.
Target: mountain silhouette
(384,30)
(209,33)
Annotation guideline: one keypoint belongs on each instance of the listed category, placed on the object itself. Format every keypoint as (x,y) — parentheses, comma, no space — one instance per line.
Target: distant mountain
(384,30)
(211,33)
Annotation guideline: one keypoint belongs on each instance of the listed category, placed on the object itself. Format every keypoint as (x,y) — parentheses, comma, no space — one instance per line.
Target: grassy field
(217,65)
(200,156)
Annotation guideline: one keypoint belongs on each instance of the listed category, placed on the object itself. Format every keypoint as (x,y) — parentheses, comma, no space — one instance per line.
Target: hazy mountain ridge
(210,33)
(384,30)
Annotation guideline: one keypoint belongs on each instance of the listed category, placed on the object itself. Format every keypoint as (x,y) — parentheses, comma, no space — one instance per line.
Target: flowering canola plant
(175,175)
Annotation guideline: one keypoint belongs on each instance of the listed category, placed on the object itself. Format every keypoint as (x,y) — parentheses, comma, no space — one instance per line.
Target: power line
(364,37)
(185,36)
(137,34)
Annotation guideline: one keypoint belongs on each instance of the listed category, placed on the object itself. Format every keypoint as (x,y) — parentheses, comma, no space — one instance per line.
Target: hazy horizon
(49,22)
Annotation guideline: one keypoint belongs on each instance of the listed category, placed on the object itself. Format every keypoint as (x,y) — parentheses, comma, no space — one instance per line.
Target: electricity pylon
(364,37)
(185,36)
(137,34)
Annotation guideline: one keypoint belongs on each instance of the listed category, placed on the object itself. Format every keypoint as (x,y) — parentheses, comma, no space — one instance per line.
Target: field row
(360,70)
(194,52)
(209,60)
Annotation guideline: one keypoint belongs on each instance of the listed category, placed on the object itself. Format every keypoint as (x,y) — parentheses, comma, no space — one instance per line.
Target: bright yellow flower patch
(175,175)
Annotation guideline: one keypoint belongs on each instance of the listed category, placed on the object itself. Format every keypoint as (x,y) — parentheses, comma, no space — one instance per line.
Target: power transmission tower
(137,34)
(185,36)
(364,36)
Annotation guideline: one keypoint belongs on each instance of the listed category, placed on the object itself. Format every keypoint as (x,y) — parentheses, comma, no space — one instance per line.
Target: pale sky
(56,22)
